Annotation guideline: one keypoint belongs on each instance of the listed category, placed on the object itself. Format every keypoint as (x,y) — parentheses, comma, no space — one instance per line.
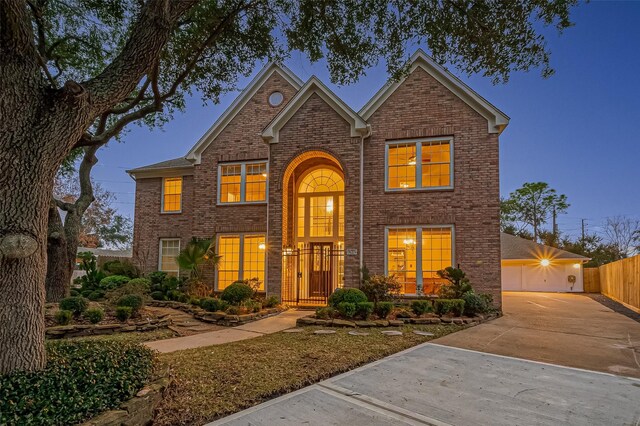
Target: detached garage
(529,266)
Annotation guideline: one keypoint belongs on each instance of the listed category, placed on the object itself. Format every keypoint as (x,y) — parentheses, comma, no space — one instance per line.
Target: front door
(320,271)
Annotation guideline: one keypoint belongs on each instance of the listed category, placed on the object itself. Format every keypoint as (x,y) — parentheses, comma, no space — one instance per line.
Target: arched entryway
(313,256)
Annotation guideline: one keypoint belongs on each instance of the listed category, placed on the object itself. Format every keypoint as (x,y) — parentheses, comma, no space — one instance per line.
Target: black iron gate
(311,273)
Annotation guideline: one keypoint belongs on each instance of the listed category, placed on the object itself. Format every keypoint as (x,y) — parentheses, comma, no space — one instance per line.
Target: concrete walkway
(258,328)
(565,329)
(438,385)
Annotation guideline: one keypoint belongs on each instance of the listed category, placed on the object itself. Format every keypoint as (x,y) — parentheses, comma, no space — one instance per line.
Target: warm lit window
(172,194)
(419,164)
(414,255)
(320,210)
(241,257)
(169,250)
(322,180)
(321,216)
(243,183)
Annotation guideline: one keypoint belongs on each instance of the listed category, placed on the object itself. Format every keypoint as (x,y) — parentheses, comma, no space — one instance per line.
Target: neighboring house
(529,266)
(102,255)
(300,190)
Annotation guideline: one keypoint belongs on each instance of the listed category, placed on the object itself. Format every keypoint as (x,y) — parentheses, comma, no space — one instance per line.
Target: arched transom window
(322,180)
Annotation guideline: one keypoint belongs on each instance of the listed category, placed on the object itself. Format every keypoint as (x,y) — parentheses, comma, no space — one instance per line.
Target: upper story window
(172,195)
(419,164)
(242,183)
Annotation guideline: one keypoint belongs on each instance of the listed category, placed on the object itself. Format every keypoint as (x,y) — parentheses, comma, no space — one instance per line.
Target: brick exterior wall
(420,107)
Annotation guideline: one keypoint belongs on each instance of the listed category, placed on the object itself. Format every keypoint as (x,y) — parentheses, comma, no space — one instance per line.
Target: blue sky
(578,130)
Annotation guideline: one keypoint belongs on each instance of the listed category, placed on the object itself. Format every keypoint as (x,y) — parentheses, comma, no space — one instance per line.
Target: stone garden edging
(219,318)
(304,321)
(76,330)
(139,410)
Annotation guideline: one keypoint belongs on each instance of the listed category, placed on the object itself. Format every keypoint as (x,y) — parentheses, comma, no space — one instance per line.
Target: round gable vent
(276,98)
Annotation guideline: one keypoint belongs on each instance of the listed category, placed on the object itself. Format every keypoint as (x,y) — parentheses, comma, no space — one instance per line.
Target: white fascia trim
(358,126)
(239,103)
(497,120)
(164,172)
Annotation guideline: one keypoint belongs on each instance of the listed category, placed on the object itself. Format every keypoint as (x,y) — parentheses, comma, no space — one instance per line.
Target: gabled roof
(244,97)
(497,120)
(157,169)
(516,248)
(314,86)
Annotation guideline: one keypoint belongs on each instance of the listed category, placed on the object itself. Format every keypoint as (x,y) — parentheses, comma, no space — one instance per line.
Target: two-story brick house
(300,190)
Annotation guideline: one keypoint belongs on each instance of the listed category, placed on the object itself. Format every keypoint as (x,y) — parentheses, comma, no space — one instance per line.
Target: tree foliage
(198,253)
(593,247)
(530,207)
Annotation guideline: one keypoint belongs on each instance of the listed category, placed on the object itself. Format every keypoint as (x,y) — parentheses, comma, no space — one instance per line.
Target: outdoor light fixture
(545,262)
(576,265)
(262,246)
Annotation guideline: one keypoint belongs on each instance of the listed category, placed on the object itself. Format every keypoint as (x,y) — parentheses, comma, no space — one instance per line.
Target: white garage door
(540,278)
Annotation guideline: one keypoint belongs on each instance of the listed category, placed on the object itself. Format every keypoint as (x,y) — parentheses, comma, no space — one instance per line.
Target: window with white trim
(241,257)
(419,164)
(169,250)
(242,183)
(416,254)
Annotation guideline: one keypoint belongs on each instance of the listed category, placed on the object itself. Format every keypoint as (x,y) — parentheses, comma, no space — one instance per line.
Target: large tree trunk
(58,278)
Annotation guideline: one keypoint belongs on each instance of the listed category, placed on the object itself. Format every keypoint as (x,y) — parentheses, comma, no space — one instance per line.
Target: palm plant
(198,253)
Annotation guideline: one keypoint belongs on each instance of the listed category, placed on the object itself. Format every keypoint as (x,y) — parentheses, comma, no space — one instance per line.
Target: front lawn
(220,380)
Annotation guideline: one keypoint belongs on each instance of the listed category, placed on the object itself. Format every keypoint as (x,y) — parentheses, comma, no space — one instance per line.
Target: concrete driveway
(438,385)
(558,328)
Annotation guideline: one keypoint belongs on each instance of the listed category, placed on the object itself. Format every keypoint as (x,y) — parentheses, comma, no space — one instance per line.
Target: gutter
(362,138)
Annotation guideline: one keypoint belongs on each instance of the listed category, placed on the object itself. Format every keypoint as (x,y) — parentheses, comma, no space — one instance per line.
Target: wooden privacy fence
(618,280)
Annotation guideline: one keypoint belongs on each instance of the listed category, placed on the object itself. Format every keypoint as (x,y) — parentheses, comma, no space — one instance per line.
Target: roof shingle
(516,248)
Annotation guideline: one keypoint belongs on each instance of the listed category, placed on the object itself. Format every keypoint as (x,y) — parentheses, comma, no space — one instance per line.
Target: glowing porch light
(262,246)
(545,262)
(576,265)
(330,205)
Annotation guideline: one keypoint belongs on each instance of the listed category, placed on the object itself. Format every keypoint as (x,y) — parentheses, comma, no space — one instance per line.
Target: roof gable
(496,119)
(313,86)
(221,123)
(516,248)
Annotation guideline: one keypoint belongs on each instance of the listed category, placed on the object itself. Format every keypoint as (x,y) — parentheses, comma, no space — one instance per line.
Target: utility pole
(555,224)
(583,220)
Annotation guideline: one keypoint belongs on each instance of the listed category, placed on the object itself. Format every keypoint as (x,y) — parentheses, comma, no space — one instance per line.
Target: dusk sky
(578,130)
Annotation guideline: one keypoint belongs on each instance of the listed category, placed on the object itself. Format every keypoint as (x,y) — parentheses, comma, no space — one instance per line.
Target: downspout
(362,138)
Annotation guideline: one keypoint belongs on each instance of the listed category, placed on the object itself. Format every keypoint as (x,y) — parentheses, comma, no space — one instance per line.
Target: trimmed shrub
(364,309)
(63,317)
(113,281)
(474,304)
(271,302)
(74,293)
(133,301)
(85,293)
(211,304)
(121,267)
(252,305)
(446,306)
(457,283)
(157,277)
(383,309)
(77,305)
(380,288)
(123,313)
(81,379)
(351,295)
(421,307)
(96,295)
(157,295)
(326,312)
(94,315)
(183,298)
(236,293)
(139,286)
(347,309)
(173,295)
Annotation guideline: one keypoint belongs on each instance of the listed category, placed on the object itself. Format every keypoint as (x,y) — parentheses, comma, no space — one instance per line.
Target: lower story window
(415,254)
(242,257)
(169,250)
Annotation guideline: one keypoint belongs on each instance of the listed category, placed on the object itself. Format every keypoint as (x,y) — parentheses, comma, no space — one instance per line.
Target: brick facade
(420,107)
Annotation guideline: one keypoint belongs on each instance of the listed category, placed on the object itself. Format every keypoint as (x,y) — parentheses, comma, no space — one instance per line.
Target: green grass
(132,337)
(215,381)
